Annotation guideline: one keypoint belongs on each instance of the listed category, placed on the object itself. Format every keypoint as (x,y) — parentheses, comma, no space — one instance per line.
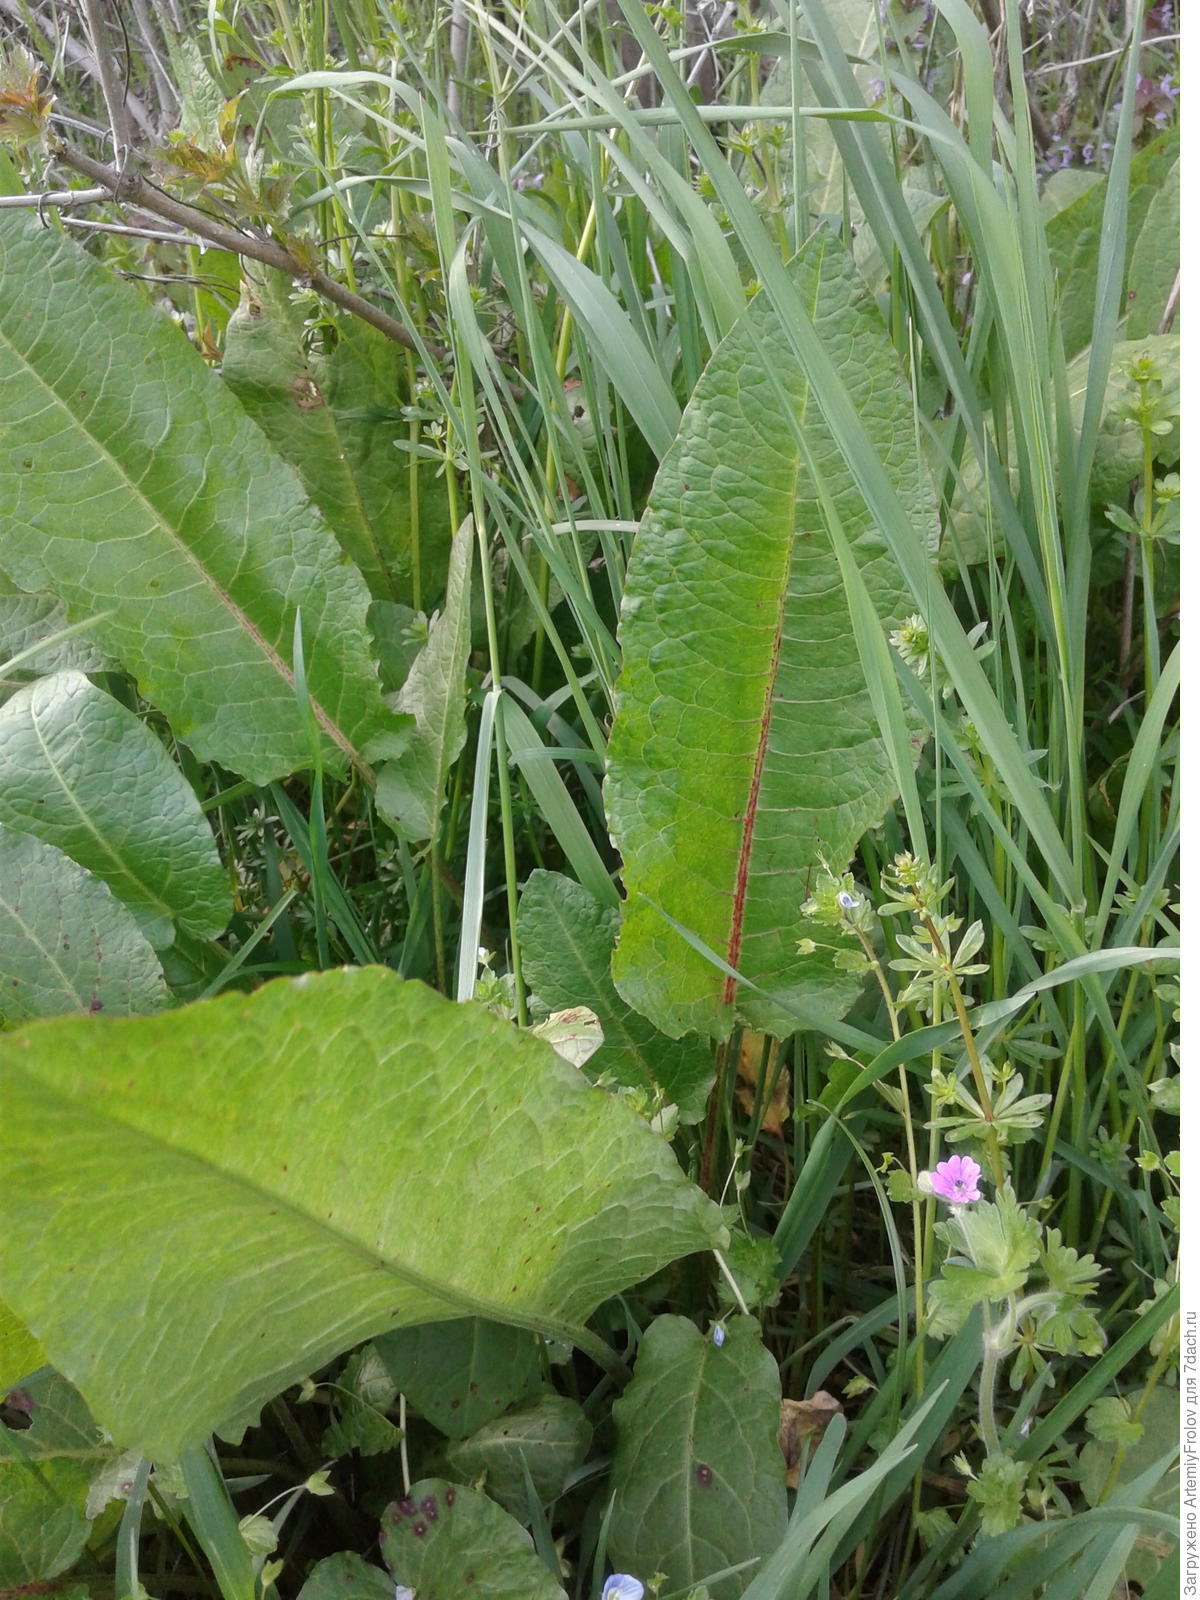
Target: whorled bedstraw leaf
(745,748)
(79,771)
(698,1475)
(133,484)
(239,1190)
(67,944)
(567,940)
(444,1542)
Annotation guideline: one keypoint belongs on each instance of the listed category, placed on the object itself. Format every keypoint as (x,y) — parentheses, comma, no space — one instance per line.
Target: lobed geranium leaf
(239,1190)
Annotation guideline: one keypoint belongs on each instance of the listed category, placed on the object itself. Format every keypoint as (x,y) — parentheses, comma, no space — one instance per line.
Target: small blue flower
(622,1587)
(848,902)
(718,1335)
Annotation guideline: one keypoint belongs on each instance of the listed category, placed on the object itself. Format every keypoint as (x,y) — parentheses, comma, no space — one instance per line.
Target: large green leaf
(66,942)
(443,1542)
(1074,236)
(698,1475)
(331,1157)
(461,1375)
(132,482)
(46,1470)
(84,774)
(1154,260)
(548,1439)
(20,1353)
(410,790)
(745,748)
(335,418)
(347,1577)
(567,942)
(27,619)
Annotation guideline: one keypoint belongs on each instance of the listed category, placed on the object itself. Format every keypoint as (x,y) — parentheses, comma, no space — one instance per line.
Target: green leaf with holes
(84,774)
(325,1159)
(698,1475)
(445,1542)
(46,1470)
(133,485)
(745,748)
(66,942)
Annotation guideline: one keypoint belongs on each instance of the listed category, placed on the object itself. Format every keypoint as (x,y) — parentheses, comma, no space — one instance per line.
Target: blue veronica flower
(622,1587)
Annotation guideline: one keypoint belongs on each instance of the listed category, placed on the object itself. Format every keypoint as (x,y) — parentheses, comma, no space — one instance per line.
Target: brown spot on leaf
(305,393)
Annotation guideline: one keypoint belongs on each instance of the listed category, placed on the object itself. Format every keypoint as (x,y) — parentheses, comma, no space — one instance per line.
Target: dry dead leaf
(801,1422)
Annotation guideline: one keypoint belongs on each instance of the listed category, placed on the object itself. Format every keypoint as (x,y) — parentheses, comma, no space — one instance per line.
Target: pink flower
(956,1180)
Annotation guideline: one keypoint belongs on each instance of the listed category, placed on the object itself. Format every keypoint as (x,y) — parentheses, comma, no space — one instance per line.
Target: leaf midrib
(247,626)
(274,1201)
(125,871)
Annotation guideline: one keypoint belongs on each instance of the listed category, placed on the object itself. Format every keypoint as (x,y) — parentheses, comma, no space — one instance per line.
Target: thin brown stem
(134,189)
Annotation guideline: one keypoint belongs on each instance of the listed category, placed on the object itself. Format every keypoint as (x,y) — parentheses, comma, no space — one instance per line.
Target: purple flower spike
(956,1180)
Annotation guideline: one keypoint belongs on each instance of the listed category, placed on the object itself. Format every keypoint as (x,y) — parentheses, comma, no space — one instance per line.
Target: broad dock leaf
(460,1375)
(239,1190)
(66,942)
(443,1542)
(745,747)
(567,941)
(336,417)
(698,1475)
(82,773)
(410,790)
(132,482)
(46,1470)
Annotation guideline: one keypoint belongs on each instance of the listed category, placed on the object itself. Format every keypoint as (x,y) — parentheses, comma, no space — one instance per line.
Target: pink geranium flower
(956,1180)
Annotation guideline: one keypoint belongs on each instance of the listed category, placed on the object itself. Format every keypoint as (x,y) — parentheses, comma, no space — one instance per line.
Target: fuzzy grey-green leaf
(79,771)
